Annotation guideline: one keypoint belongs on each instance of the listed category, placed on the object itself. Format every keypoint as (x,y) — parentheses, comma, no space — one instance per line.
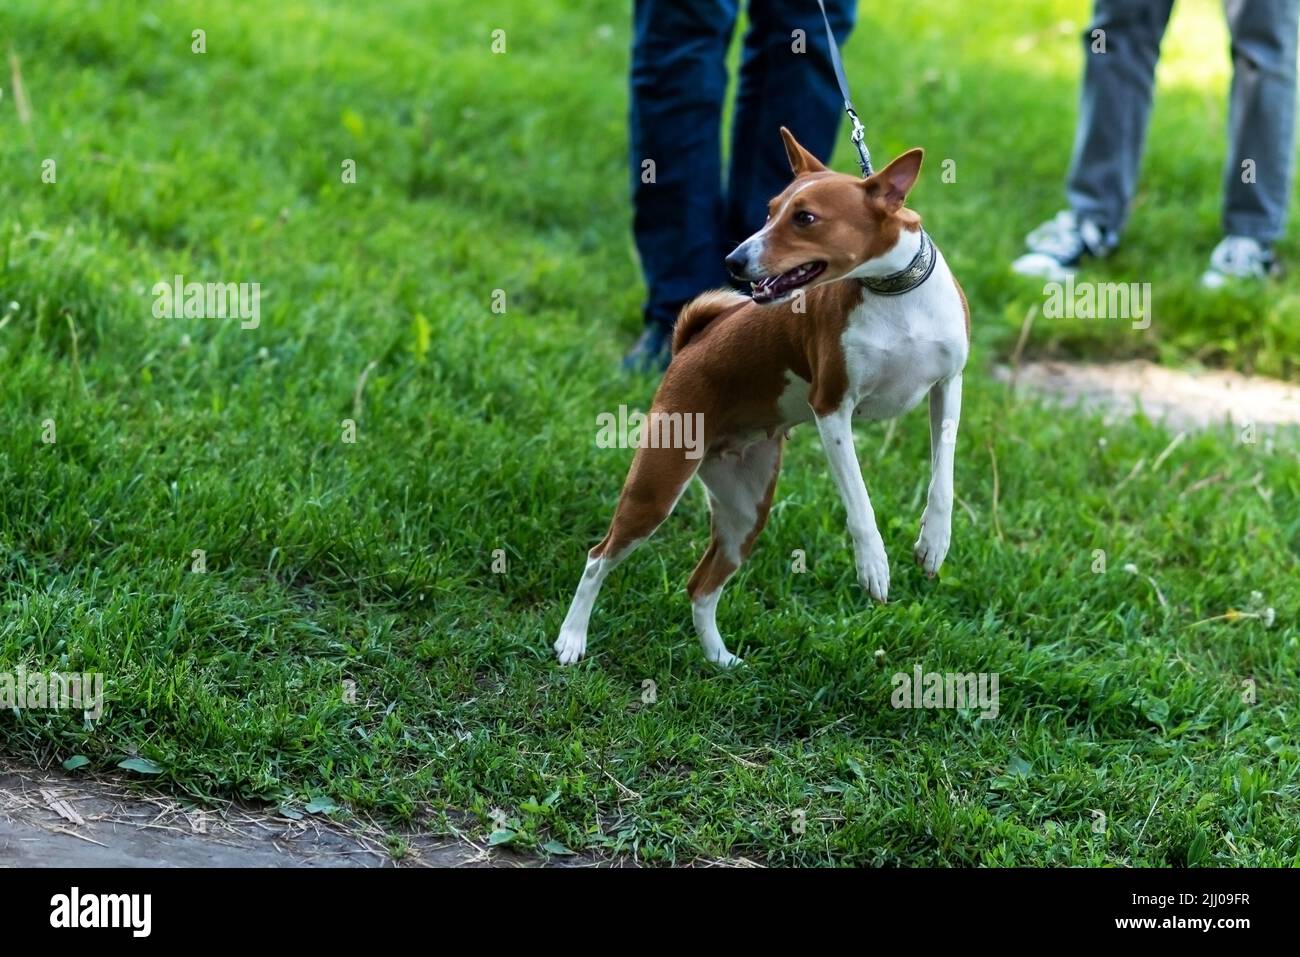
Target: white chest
(895,349)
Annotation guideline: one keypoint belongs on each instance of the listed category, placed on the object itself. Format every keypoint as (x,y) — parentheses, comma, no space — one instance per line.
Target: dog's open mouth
(772,288)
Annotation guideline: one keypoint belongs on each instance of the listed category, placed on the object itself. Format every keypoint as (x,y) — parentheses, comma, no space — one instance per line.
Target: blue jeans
(684,220)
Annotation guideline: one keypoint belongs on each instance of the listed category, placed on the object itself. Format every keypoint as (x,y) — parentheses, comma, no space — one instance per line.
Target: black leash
(922,264)
(859,134)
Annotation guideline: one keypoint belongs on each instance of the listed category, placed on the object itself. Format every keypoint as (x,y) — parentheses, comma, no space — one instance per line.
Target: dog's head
(825,226)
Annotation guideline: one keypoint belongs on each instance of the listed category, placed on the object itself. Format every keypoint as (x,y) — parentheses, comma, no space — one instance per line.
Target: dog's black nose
(737,263)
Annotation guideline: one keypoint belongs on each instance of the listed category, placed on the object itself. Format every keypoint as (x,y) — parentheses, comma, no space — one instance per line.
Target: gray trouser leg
(1118,77)
(1261,117)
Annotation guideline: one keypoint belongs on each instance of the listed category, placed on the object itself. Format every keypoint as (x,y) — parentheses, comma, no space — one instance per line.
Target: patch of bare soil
(50,819)
(1182,400)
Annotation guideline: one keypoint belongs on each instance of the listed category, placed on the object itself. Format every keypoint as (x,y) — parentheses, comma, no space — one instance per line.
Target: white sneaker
(1238,257)
(1058,247)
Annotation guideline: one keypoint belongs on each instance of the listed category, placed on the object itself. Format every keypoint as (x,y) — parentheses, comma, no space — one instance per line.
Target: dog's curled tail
(701,311)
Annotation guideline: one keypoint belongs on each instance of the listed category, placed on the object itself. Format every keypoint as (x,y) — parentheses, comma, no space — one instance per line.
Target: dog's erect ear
(801,161)
(895,181)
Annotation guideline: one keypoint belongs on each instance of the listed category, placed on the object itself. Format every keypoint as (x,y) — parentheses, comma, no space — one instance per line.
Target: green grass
(373,561)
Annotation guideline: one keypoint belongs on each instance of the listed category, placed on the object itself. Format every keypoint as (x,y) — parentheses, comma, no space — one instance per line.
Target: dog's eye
(804,218)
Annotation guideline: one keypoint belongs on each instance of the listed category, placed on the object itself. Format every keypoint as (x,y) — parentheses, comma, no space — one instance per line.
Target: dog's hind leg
(654,484)
(740,496)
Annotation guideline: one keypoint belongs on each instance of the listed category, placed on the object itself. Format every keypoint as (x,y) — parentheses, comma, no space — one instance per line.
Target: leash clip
(859,138)
(859,134)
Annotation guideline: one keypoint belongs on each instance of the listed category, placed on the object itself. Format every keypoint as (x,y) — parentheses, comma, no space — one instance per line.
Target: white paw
(873,572)
(570,646)
(715,650)
(723,658)
(932,546)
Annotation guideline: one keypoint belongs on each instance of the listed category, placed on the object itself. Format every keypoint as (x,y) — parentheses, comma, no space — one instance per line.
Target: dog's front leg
(868,547)
(936,520)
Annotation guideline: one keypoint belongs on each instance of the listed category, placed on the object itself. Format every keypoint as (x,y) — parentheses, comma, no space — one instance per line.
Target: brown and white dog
(854,313)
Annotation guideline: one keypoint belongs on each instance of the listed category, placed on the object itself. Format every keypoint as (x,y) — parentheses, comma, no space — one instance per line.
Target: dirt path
(1182,400)
(60,820)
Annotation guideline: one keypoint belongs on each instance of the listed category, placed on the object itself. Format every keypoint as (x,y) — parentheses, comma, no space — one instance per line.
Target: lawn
(202,532)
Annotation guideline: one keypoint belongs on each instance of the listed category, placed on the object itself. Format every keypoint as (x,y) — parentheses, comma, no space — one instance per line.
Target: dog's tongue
(769,286)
